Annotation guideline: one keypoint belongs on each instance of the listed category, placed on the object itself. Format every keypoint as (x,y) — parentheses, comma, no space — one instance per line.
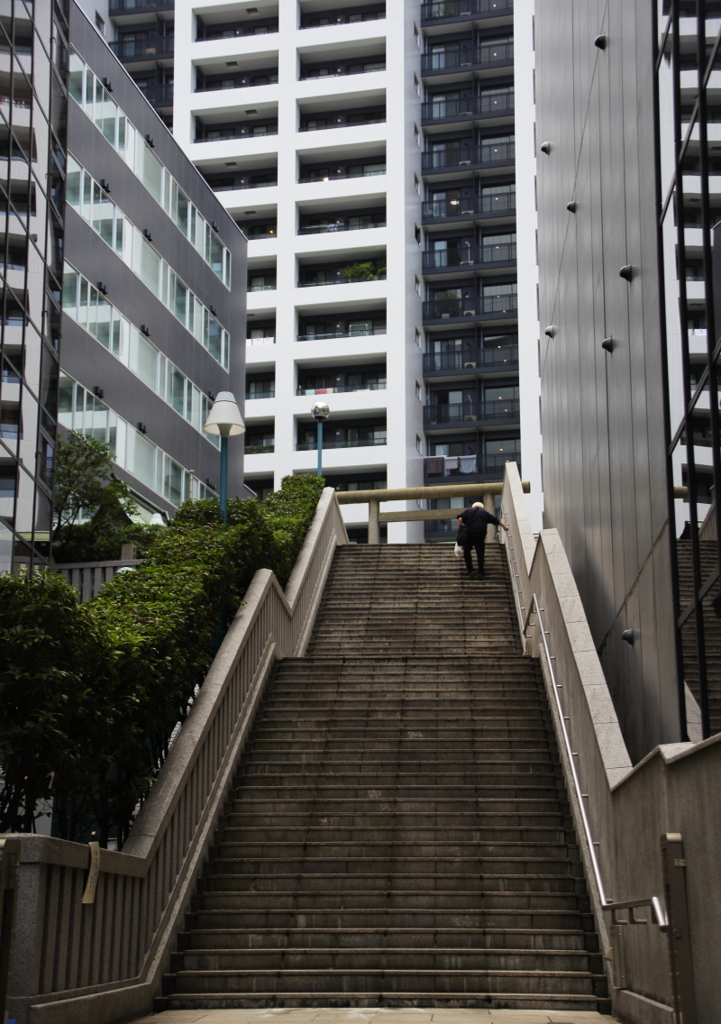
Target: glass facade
(80,410)
(88,307)
(94,205)
(33,110)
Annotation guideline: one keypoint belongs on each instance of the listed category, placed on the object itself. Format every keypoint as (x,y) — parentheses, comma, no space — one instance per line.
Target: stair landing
(406,1015)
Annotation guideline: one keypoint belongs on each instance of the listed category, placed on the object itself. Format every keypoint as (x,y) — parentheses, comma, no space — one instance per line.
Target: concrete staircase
(399,832)
(712,628)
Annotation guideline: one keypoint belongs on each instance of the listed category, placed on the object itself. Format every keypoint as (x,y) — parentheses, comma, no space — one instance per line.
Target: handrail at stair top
(410,493)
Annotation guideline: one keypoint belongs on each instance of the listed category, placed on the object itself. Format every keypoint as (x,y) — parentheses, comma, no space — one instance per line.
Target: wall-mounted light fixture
(572,206)
(102,288)
(144,329)
(608,344)
(546,147)
(550,331)
(629,635)
(600,42)
(147,234)
(104,185)
(98,392)
(150,141)
(626,272)
(142,428)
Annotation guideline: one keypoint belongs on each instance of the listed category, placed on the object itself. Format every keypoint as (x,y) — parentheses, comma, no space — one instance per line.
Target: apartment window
(99,24)
(417,136)
(417,184)
(419,342)
(417,85)
(418,234)
(418,287)
(419,445)
(419,393)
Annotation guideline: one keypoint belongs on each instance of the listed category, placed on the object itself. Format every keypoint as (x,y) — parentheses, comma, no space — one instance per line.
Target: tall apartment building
(152,327)
(368,152)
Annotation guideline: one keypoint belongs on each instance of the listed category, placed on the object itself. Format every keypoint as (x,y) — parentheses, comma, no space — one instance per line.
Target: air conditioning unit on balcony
(469,312)
(463,163)
(445,315)
(470,419)
(469,366)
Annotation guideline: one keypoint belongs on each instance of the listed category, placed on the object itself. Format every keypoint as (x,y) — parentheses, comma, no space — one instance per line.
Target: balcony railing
(463,8)
(473,106)
(311,446)
(270,340)
(341,389)
(446,308)
(461,156)
(158,95)
(340,280)
(119,7)
(240,130)
(268,392)
(467,255)
(262,287)
(455,413)
(364,332)
(470,360)
(470,206)
(345,123)
(259,449)
(478,56)
(322,229)
(210,32)
(339,71)
(150,48)
(342,18)
(307,177)
(464,465)
(238,83)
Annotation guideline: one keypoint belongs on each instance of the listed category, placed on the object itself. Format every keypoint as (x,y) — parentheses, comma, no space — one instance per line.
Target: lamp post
(224,419)
(320,412)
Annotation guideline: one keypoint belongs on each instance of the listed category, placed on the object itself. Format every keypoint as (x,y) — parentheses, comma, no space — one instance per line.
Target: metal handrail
(654,902)
(511,553)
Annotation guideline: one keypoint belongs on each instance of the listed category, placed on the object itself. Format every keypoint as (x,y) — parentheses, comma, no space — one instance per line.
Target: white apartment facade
(337,134)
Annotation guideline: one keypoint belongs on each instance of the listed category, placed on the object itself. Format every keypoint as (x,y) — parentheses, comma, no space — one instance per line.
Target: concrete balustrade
(102,962)
(673,790)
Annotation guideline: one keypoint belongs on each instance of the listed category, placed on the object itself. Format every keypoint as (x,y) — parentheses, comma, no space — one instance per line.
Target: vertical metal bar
(224,480)
(319,446)
(679,939)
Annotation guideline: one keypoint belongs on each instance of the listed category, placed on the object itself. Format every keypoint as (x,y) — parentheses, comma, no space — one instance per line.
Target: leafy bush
(369,270)
(133,658)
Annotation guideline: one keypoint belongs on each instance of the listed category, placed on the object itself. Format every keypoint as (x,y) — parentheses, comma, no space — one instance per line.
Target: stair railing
(543,583)
(95,954)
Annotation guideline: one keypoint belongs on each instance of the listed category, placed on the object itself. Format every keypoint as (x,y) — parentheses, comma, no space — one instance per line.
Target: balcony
(259,449)
(351,273)
(461,413)
(467,58)
(146,48)
(269,340)
(467,255)
(368,442)
(322,122)
(360,332)
(334,17)
(234,130)
(465,465)
(346,222)
(367,170)
(449,308)
(490,204)
(242,80)
(438,10)
(338,70)
(229,30)
(255,390)
(503,358)
(158,95)
(492,104)
(342,389)
(121,7)
(453,157)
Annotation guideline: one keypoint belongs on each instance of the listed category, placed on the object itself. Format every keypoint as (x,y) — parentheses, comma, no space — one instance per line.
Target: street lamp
(320,412)
(224,419)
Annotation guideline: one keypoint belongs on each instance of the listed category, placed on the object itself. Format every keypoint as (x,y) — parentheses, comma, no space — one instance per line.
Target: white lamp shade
(224,417)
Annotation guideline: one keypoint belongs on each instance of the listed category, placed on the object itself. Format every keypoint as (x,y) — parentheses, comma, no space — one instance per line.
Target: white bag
(458,551)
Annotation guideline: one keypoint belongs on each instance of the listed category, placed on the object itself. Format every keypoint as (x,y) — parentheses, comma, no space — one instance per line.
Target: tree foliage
(93,692)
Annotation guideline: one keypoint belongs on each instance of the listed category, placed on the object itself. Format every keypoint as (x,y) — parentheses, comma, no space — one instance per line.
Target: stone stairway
(712,628)
(399,832)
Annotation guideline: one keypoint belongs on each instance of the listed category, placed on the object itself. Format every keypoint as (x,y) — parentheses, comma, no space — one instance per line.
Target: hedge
(132,658)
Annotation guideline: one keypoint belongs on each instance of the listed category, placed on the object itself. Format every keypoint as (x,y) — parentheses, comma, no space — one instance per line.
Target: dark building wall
(603,413)
(85,359)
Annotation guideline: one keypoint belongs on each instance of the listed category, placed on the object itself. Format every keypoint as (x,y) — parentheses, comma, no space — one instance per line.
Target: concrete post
(489,503)
(374,526)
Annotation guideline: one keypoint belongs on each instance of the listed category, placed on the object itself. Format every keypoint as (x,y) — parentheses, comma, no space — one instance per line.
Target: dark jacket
(478,519)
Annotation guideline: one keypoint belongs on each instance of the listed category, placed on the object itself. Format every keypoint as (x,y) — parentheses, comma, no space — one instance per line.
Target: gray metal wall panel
(604,462)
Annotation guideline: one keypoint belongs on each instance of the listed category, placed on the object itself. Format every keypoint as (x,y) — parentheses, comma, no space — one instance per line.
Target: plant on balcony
(448,304)
(370,270)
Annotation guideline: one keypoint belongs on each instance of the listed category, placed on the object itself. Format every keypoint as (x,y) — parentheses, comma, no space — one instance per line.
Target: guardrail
(608,796)
(100,960)
(88,577)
